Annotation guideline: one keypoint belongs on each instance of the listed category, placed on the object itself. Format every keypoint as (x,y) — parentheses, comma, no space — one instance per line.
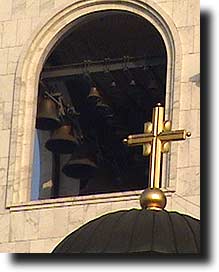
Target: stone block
(17,226)
(4,61)
(190,66)
(188,181)
(6,124)
(195,103)
(31,227)
(7,248)
(196,48)
(132,204)
(3,189)
(194,159)
(44,245)
(178,205)
(90,212)
(76,215)
(185,96)
(22,247)
(180,18)
(1,34)
(18,9)
(195,123)
(193,12)
(35,22)
(1,114)
(13,56)
(183,154)
(118,205)
(3,170)
(5,10)
(187,39)
(23,31)
(53,222)
(32,8)
(7,88)
(190,120)
(4,143)
(9,34)
(167,6)
(185,119)
(46,6)
(187,205)
(103,208)
(4,227)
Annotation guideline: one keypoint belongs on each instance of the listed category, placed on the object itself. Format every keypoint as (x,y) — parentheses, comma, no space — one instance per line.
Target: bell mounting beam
(106,65)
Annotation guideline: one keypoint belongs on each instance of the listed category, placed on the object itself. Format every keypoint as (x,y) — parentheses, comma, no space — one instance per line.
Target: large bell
(47,115)
(81,165)
(63,140)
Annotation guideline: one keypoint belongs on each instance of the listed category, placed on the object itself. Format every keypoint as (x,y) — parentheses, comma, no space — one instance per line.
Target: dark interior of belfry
(98,85)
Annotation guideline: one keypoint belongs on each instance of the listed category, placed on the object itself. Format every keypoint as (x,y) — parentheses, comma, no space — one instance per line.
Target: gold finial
(153,199)
(155,140)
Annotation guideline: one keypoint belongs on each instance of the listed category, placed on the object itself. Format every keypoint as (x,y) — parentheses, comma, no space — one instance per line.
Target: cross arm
(176,135)
(139,139)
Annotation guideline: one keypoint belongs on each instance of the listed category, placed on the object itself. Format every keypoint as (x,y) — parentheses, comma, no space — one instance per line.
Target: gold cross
(156,140)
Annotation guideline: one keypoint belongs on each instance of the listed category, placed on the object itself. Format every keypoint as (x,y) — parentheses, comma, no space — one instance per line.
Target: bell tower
(78,77)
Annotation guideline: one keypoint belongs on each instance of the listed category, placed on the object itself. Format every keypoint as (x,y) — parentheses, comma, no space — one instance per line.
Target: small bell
(94,95)
(98,106)
(132,83)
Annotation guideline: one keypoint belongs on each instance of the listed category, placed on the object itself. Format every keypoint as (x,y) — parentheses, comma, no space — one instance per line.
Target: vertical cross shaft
(155,158)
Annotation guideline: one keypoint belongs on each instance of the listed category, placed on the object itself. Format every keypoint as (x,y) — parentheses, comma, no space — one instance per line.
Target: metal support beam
(100,66)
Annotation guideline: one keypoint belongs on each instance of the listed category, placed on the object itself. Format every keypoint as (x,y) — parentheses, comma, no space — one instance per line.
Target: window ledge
(80,200)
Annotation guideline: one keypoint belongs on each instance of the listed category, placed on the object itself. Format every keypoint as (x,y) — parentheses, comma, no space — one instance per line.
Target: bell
(63,140)
(94,96)
(99,106)
(81,165)
(94,93)
(47,115)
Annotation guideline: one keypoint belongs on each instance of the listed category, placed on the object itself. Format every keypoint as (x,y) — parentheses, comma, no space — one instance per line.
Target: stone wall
(38,226)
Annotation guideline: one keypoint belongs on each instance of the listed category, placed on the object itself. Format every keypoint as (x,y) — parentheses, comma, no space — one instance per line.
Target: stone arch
(31,63)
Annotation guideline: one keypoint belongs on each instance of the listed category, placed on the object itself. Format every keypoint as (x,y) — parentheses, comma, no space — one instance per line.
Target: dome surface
(135,231)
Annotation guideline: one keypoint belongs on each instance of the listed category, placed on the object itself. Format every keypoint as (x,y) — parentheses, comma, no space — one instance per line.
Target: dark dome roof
(135,231)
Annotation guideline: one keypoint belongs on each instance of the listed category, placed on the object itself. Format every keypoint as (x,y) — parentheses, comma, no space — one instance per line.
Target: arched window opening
(98,85)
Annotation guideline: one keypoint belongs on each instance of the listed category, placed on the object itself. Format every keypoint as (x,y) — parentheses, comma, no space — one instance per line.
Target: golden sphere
(125,141)
(153,199)
(188,134)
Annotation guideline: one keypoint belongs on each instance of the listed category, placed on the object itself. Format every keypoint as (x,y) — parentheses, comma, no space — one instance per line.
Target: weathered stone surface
(53,222)
(9,34)
(4,61)
(187,39)
(5,10)
(4,142)
(4,228)
(23,31)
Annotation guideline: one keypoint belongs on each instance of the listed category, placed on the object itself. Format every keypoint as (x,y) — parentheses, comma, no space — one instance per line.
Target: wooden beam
(100,66)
